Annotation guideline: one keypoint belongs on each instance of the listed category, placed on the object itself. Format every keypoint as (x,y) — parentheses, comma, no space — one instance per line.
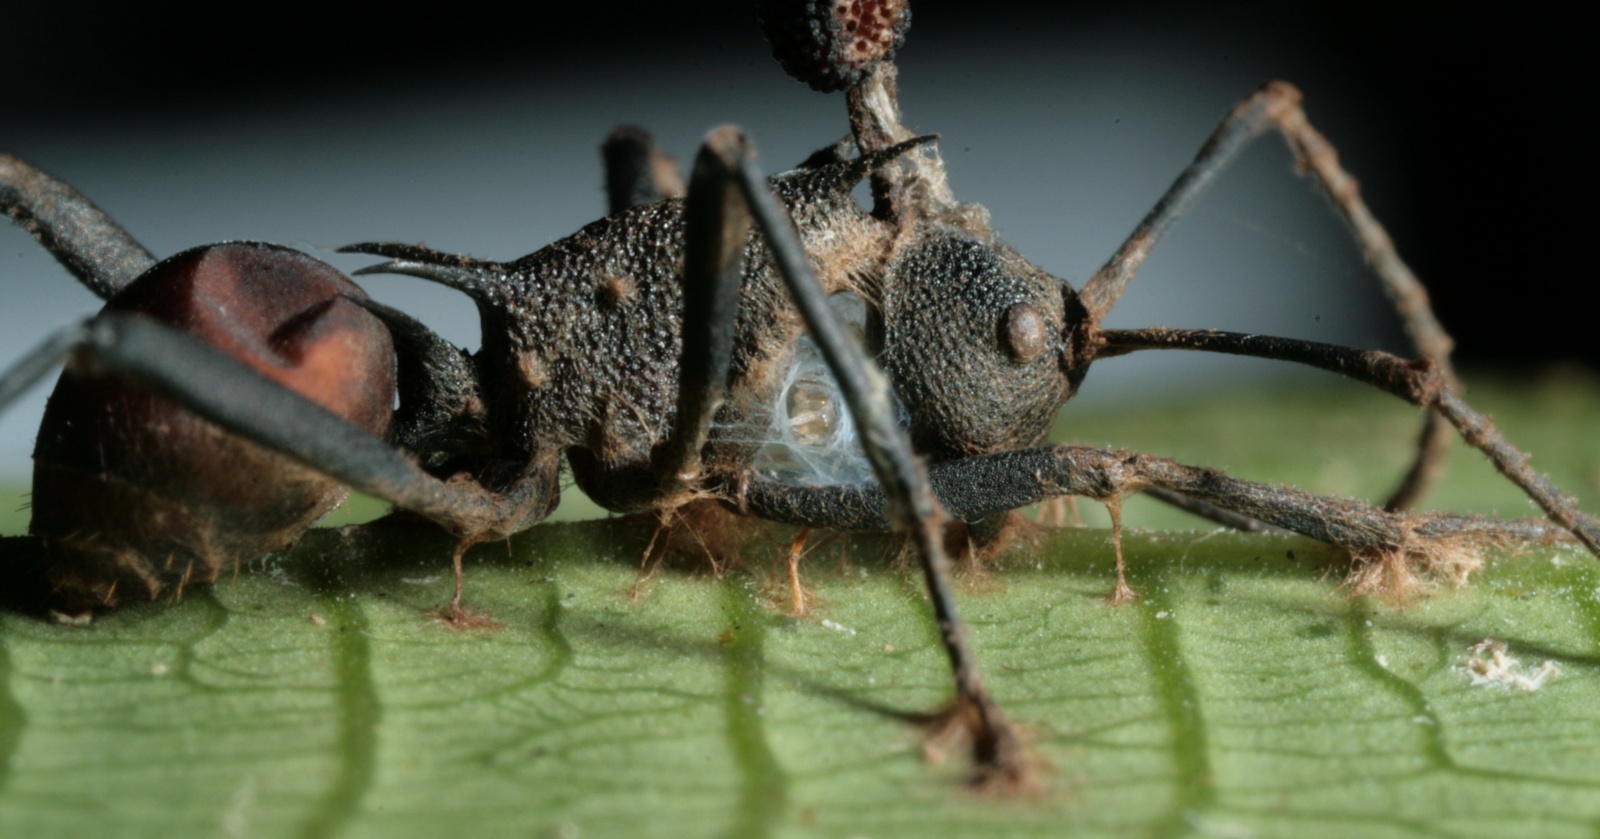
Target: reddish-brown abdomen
(134,496)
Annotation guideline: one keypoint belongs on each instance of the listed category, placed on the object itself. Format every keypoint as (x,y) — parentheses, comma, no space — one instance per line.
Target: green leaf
(1245,694)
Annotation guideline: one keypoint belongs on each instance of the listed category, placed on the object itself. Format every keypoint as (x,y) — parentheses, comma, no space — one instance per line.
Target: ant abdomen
(134,496)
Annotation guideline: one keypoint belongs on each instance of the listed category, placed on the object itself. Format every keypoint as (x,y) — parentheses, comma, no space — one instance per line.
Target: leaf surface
(1245,694)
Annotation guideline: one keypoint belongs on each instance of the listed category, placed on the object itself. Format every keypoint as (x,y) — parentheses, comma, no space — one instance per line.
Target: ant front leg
(986,485)
(1422,384)
(1277,105)
(911,506)
(991,484)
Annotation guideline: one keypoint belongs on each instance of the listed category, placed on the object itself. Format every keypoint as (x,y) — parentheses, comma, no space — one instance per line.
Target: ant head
(982,346)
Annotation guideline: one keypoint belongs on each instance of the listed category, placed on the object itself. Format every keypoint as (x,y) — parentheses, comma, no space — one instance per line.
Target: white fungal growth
(812,440)
(1491,666)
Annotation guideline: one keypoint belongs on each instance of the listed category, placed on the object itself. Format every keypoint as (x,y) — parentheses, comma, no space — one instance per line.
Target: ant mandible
(631,348)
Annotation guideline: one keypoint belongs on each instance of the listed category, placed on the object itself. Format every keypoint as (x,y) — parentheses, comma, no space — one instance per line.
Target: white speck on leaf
(838,627)
(1207,826)
(233,818)
(1491,666)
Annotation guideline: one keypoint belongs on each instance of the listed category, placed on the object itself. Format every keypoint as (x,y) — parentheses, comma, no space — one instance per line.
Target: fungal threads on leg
(1121,593)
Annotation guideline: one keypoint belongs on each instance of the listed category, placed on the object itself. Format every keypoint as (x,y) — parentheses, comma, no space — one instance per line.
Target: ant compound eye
(1024,334)
(832,44)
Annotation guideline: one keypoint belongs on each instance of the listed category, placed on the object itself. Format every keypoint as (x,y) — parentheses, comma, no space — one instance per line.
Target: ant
(639,352)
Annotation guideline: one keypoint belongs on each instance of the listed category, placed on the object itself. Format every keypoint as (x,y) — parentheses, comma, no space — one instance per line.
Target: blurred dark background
(475,129)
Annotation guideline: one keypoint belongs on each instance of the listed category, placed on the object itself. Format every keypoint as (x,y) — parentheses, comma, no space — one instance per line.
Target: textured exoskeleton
(663,353)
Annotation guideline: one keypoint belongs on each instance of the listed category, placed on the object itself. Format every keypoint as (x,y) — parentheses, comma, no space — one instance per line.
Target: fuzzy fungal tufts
(1400,576)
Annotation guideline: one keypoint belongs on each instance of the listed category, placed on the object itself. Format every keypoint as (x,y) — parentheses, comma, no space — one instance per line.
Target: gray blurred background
(476,131)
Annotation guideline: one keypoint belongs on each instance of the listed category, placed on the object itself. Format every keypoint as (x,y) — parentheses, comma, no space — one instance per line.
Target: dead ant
(642,349)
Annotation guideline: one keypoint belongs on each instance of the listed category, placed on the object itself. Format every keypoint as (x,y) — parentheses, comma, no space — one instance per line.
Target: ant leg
(1420,383)
(230,393)
(911,505)
(636,171)
(1122,592)
(716,228)
(990,484)
(1226,518)
(1314,153)
(1277,105)
(441,422)
(797,592)
(81,237)
(40,362)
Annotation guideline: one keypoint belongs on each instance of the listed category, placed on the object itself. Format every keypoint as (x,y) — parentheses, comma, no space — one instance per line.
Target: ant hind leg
(85,240)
